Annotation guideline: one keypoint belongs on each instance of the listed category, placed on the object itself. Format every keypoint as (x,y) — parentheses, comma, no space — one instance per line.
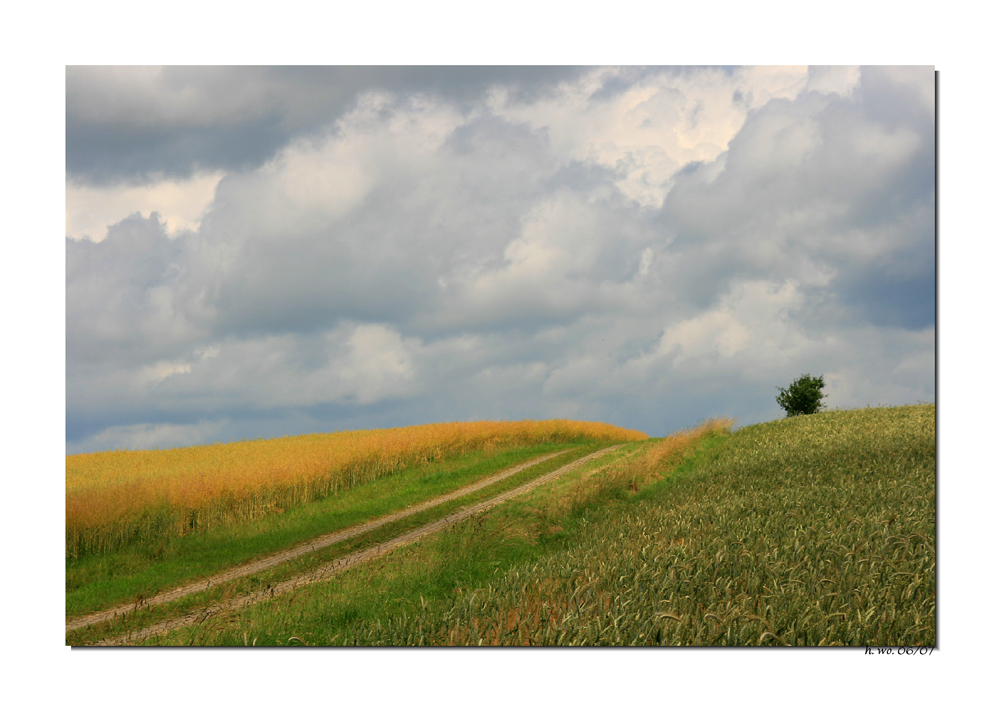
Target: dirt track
(301,550)
(331,569)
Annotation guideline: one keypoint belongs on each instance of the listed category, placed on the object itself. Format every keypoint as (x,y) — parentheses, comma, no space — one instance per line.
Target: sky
(265,251)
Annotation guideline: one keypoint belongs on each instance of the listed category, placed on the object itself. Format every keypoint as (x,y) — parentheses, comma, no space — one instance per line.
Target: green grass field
(809,531)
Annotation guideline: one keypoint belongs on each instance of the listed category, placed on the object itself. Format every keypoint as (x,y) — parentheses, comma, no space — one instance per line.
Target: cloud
(752,317)
(180,204)
(833,80)
(124,124)
(642,246)
(124,301)
(816,189)
(646,125)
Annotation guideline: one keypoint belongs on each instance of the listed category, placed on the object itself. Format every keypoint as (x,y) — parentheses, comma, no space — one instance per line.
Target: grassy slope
(811,531)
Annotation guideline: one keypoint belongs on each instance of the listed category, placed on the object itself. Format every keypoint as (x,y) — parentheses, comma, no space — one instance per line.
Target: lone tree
(803,397)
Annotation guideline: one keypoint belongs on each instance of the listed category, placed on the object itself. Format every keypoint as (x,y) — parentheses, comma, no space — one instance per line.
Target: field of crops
(810,531)
(117,498)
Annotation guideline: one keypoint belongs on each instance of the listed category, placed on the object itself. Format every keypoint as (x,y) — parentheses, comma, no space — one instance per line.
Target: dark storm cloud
(112,152)
(126,126)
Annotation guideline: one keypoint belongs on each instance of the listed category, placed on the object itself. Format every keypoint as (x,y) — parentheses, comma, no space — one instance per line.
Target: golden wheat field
(115,498)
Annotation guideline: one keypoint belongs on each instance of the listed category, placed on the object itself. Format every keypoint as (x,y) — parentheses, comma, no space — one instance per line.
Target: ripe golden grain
(115,498)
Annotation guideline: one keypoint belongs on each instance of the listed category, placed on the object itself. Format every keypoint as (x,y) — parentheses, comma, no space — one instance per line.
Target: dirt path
(301,550)
(329,570)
